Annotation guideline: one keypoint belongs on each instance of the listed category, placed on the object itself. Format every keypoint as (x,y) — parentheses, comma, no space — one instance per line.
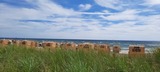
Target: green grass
(21,59)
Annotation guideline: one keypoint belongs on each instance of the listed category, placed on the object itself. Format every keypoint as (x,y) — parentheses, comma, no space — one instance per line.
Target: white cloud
(114,4)
(126,4)
(84,7)
(9,16)
(10,26)
(153,2)
(125,15)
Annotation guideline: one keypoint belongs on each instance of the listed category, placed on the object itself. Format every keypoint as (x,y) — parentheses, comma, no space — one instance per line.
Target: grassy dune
(21,59)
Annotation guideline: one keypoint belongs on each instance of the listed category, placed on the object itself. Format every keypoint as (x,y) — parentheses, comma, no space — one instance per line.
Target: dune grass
(21,59)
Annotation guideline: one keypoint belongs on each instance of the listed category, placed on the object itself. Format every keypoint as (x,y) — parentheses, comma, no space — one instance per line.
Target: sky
(81,19)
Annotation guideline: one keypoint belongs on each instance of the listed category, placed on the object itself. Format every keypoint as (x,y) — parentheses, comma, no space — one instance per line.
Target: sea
(124,44)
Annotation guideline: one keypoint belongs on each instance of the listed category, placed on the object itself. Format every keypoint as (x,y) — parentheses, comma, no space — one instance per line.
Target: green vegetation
(21,59)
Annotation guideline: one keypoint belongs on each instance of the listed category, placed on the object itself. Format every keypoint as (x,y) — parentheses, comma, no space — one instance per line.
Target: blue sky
(81,19)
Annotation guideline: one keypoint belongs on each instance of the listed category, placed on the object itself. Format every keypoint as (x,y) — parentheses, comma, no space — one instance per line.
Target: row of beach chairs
(133,49)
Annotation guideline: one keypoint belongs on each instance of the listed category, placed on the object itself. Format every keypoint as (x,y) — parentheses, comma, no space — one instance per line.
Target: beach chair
(16,42)
(116,49)
(71,46)
(5,42)
(50,45)
(103,48)
(85,46)
(135,50)
(28,43)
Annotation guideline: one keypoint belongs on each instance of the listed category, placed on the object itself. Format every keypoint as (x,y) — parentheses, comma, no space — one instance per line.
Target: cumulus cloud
(84,7)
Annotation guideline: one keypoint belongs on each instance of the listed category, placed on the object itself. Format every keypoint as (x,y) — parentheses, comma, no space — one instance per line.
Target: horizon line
(73,39)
